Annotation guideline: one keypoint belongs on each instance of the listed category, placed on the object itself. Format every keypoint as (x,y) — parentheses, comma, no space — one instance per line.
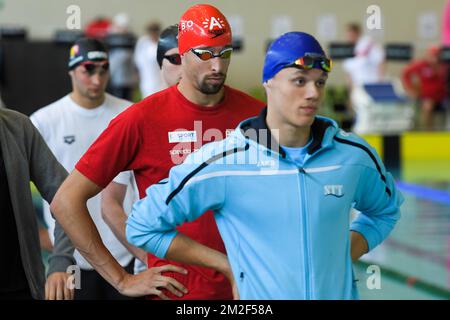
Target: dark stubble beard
(207,88)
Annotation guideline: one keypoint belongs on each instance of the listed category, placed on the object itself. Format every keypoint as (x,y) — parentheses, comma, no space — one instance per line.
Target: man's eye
(299,81)
(320,83)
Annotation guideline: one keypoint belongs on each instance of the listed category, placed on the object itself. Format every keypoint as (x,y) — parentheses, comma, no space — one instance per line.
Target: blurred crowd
(133,60)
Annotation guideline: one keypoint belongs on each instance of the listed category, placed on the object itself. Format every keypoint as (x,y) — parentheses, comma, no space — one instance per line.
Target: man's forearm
(116,220)
(62,254)
(184,249)
(85,237)
(358,245)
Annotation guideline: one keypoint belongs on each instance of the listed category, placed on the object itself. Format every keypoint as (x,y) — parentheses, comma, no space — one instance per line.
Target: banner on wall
(428,25)
(326,27)
(399,51)
(237,28)
(279,25)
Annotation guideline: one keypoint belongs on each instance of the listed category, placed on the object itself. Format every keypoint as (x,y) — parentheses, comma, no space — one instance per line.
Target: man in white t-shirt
(69,126)
(145,60)
(113,197)
(367,66)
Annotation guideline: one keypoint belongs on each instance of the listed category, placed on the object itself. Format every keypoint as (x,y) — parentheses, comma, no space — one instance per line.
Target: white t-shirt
(127,178)
(363,68)
(149,72)
(69,130)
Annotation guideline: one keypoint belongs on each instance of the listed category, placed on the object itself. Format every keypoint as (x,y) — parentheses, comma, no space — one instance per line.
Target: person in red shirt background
(149,138)
(98,28)
(426,81)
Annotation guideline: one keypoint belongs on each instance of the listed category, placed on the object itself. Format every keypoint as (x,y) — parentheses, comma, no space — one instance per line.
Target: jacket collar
(256,129)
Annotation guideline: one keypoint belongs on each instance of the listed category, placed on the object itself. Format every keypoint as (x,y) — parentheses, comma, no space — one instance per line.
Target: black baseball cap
(87,49)
(167,40)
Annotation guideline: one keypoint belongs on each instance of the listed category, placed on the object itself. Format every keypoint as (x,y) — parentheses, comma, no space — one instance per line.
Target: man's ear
(267,85)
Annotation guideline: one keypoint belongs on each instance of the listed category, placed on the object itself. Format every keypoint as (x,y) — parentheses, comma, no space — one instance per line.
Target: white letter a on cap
(214,22)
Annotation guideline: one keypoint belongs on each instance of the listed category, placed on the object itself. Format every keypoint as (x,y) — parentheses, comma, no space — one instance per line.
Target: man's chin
(95,96)
(211,88)
(304,121)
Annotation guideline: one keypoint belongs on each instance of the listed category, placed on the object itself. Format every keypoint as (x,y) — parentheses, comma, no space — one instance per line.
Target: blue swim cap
(286,49)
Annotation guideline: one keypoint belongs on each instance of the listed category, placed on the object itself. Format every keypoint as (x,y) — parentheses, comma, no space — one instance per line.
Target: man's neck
(86,102)
(195,96)
(288,135)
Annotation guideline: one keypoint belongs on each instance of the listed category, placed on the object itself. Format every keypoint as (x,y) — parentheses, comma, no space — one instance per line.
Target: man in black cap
(168,56)
(69,126)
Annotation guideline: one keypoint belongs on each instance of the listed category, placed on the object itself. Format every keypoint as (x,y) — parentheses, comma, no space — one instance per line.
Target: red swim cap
(203,25)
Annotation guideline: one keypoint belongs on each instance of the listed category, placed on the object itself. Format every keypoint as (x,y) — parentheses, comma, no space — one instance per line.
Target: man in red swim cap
(149,138)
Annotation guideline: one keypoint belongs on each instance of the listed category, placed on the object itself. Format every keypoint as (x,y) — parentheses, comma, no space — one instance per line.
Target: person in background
(145,60)
(25,157)
(168,56)
(281,187)
(367,65)
(123,72)
(69,126)
(425,80)
(151,137)
(446,24)
(446,44)
(98,28)
(113,211)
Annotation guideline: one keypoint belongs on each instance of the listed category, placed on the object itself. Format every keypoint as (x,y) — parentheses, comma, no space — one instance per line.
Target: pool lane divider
(424,192)
(410,281)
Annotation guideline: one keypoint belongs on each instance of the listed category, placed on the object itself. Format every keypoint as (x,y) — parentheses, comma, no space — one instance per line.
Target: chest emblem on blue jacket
(336,190)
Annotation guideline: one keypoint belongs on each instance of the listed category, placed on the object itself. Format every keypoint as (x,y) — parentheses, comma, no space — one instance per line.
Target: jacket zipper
(305,233)
(306,253)
(305,220)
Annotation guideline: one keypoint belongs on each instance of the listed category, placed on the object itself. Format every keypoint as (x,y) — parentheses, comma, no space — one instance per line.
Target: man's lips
(309,109)
(215,77)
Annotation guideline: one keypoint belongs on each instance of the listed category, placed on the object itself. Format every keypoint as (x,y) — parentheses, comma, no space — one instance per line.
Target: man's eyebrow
(302,71)
(305,72)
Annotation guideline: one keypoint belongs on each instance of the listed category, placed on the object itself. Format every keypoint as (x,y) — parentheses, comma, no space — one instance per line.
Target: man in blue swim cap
(281,186)
(294,76)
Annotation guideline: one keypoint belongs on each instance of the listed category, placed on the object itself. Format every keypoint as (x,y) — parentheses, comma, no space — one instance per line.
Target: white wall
(42,17)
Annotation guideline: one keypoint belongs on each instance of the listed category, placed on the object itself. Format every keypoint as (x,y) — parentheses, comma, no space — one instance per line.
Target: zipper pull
(301,170)
(241,276)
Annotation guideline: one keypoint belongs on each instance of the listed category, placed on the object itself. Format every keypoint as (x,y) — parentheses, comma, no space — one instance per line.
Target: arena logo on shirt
(69,139)
(182,136)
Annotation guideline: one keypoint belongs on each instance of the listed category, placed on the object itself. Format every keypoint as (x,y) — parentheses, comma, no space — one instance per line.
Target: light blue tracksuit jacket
(286,229)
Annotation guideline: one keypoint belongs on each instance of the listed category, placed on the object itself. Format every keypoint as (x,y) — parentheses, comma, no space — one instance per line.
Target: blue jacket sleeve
(189,191)
(379,202)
